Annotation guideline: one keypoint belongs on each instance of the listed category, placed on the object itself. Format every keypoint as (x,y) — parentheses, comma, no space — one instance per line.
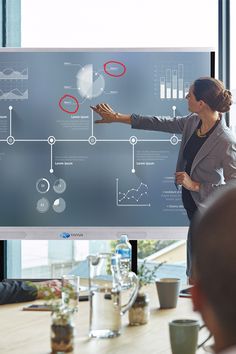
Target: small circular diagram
(42,205)
(59,186)
(59,205)
(42,185)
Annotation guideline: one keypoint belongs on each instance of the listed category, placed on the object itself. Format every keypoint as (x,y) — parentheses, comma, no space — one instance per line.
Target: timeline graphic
(43,185)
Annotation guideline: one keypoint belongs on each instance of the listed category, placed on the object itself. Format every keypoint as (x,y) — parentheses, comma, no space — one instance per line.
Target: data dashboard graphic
(61,169)
(90,84)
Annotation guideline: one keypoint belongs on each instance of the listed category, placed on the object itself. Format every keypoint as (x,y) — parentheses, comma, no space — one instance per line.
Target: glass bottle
(124,249)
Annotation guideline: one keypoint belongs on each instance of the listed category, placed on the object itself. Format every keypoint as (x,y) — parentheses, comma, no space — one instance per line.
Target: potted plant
(139,313)
(62,326)
(62,330)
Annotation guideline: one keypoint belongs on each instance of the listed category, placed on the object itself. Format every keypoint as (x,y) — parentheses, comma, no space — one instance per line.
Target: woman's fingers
(108,107)
(102,107)
(105,111)
(179,177)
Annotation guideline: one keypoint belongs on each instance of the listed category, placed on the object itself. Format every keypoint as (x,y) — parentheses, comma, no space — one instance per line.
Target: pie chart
(90,84)
(59,205)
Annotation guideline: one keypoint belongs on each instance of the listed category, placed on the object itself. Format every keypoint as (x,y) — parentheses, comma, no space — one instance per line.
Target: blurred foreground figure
(214,269)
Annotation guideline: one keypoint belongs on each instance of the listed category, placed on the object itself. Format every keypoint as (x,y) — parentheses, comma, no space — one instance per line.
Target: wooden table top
(28,332)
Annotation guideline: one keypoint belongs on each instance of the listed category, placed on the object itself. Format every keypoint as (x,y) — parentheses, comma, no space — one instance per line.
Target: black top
(191,149)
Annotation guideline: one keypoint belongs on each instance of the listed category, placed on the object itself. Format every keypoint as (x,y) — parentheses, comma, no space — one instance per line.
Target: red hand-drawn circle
(116,62)
(66,110)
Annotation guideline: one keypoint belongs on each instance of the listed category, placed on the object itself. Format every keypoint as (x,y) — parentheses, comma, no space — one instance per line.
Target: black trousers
(190,214)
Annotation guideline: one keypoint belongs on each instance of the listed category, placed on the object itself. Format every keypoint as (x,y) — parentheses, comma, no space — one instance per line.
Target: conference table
(28,332)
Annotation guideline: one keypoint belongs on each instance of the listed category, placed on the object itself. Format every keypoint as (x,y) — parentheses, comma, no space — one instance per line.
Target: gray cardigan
(215,163)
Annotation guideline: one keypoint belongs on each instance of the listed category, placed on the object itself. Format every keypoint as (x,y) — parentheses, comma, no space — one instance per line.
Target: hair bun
(227,93)
(213,93)
(224,101)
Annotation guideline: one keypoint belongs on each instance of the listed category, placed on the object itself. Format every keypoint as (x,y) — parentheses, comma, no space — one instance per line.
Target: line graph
(14,94)
(13,71)
(133,196)
(11,74)
(13,81)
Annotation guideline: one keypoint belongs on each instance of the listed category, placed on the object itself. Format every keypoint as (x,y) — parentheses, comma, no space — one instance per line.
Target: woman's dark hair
(213,93)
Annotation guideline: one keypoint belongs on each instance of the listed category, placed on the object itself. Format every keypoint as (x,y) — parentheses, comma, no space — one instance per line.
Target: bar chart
(172,84)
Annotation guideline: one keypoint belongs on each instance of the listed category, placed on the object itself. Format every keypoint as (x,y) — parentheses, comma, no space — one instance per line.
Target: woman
(207,155)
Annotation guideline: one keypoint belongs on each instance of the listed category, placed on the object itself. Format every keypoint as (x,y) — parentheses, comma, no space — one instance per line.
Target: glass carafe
(105,295)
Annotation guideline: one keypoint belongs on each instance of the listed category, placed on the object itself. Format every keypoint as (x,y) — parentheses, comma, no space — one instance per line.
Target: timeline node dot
(10,140)
(92,140)
(51,140)
(174,140)
(133,140)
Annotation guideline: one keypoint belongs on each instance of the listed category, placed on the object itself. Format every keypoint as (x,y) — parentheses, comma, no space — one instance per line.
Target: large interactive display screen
(62,175)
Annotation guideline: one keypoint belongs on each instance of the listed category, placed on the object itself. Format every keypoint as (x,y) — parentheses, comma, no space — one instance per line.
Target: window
(50,259)
(133,23)
(10,23)
(171,253)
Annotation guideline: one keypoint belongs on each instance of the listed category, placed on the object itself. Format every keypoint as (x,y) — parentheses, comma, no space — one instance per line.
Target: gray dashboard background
(90,171)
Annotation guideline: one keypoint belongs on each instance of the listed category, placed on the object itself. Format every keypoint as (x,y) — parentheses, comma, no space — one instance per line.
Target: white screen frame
(96,233)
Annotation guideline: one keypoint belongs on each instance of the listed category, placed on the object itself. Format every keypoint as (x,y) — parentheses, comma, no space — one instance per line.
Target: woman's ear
(202,104)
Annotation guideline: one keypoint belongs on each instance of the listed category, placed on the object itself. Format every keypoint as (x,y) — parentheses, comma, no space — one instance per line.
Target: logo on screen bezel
(66,235)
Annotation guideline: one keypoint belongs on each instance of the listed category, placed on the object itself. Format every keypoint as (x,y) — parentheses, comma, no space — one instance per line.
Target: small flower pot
(139,313)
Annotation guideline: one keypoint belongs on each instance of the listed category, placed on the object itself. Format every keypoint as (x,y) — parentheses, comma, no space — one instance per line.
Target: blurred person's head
(214,267)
